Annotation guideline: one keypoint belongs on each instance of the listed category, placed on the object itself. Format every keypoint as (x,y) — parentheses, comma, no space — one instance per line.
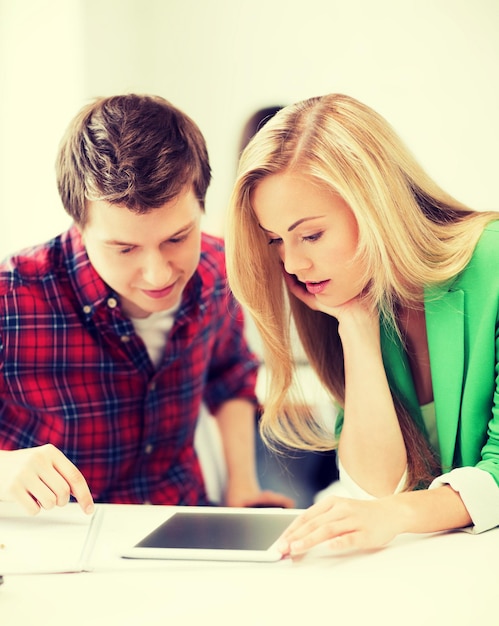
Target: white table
(439,579)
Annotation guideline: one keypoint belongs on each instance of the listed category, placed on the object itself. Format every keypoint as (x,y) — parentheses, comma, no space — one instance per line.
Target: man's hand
(42,478)
(257,498)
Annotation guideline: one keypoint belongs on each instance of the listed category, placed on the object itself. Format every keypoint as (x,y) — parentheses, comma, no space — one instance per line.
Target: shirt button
(87,309)
(147,502)
(112,303)
(125,338)
(148,449)
(152,385)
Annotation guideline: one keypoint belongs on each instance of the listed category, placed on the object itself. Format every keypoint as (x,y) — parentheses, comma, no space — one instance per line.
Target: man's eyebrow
(295,224)
(117,242)
(182,230)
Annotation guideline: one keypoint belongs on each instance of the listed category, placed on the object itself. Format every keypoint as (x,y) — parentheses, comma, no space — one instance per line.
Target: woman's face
(316,236)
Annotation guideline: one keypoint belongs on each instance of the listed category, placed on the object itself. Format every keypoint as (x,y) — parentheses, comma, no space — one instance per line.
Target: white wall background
(429,66)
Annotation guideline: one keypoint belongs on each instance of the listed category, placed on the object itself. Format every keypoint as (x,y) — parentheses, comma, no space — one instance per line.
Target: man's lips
(159,293)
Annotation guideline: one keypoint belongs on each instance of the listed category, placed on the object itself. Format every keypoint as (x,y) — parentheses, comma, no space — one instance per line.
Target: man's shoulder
(211,244)
(30,266)
(212,258)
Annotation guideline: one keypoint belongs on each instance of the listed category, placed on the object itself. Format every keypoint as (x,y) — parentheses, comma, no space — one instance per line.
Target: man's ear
(81,229)
(81,225)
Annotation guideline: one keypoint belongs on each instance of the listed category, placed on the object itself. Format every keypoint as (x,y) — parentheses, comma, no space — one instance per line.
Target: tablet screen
(235,531)
(215,535)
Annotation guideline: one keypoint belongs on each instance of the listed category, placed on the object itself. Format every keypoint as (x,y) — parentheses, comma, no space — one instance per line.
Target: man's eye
(177,239)
(125,250)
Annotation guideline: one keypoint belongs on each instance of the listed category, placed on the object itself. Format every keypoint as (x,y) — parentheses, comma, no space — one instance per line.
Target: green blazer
(463,338)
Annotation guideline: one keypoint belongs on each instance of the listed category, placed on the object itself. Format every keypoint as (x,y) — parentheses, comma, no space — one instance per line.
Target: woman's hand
(344,524)
(357,309)
(42,478)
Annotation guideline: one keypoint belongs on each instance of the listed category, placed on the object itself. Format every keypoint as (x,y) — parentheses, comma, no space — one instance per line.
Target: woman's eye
(314,237)
(275,241)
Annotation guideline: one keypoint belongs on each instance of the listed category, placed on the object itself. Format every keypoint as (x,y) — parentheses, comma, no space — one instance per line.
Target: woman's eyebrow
(304,219)
(295,224)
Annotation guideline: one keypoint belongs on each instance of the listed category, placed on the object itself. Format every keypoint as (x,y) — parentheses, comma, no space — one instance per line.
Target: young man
(113,334)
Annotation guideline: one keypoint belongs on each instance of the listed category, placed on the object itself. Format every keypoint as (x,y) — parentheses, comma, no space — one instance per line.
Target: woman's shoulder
(488,244)
(483,267)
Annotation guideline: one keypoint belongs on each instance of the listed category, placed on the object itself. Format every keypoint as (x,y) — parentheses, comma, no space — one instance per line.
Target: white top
(153,330)
(430,421)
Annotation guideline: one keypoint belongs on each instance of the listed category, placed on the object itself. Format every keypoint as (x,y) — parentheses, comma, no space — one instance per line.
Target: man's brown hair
(133,150)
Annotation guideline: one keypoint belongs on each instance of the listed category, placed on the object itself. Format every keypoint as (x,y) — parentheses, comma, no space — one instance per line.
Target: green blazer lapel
(444,310)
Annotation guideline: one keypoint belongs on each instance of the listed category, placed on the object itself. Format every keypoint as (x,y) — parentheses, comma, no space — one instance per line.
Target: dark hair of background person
(255,122)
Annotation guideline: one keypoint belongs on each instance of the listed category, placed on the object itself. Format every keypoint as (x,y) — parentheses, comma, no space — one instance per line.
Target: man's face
(147,259)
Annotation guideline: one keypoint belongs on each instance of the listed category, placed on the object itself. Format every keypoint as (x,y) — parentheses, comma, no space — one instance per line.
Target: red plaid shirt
(74,373)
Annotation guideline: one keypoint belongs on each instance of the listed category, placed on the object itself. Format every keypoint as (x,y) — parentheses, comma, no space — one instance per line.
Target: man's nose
(157,270)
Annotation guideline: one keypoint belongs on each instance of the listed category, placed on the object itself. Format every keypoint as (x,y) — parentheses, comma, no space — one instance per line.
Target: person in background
(394,289)
(113,334)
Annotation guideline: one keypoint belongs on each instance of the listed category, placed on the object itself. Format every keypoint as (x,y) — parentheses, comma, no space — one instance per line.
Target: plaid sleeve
(232,367)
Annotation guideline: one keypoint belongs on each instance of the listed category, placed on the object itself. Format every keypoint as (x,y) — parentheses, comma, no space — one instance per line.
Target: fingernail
(90,509)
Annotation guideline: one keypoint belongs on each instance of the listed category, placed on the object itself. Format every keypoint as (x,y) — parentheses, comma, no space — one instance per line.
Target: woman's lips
(316,288)
(159,293)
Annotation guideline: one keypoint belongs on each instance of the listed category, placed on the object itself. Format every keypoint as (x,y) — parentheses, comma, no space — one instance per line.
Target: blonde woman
(394,289)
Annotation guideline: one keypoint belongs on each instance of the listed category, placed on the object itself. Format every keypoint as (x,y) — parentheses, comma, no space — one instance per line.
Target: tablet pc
(246,535)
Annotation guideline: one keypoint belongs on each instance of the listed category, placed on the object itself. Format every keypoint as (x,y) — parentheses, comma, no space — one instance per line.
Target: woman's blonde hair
(411,234)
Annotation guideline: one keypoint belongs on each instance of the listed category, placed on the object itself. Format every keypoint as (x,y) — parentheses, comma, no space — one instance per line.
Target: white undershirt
(153,330)
(430,422)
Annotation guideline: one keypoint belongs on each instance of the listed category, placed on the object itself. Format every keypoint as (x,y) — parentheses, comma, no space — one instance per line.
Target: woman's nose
(294,260)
